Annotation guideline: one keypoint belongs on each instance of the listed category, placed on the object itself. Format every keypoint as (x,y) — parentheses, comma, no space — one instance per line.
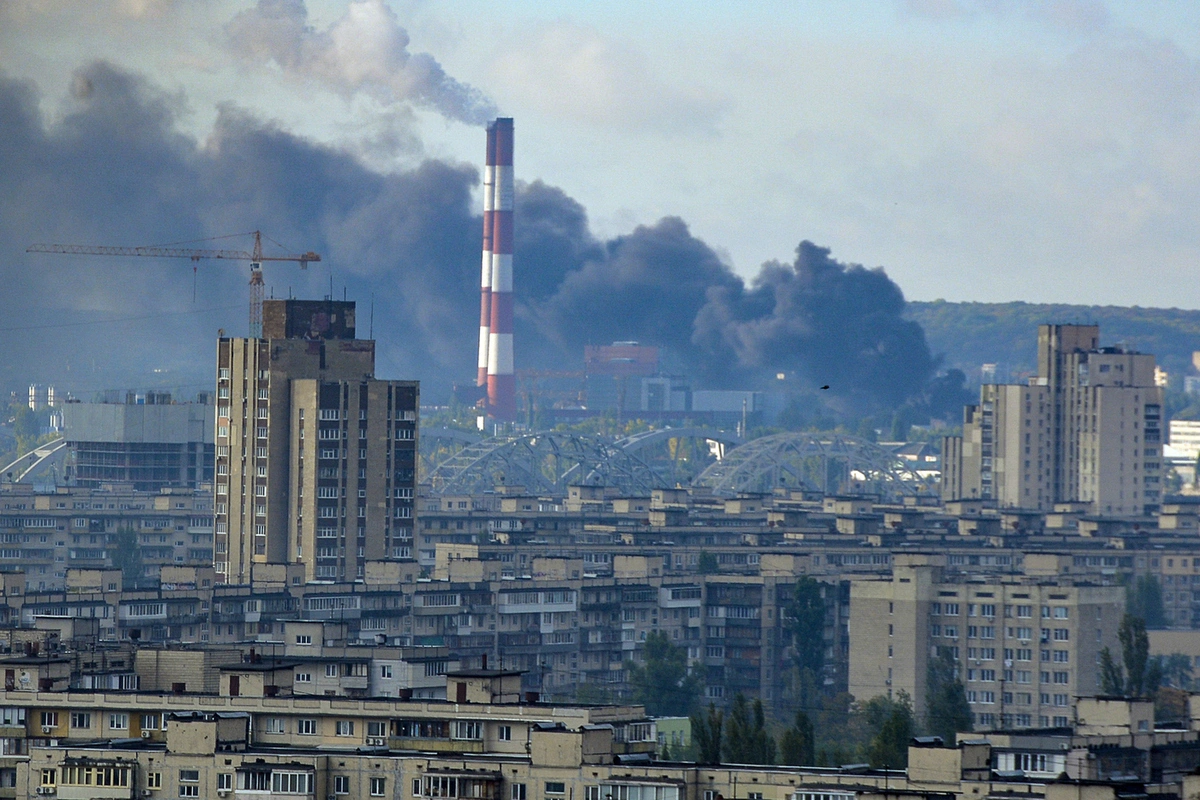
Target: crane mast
(255,257)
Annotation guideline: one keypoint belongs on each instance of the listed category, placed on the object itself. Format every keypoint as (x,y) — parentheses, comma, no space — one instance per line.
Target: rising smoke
(366,50)
(115,170)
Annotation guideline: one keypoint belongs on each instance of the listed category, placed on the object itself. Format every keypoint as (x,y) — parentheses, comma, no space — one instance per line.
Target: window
(376,728)
(341,784)
(468,729)
(150,722)
(556,787)
(518,792)
(385,671)
(49,777)
(49,719)
(306,727)
(289,782)
(189,780)
(345,727)
(154,780)
(276,725)
(378,787)
(81,720)
(305,639)
(95,775)
(224,781)
(303,677)
(331,670)
(118,722)
(504,733)
(1062,634)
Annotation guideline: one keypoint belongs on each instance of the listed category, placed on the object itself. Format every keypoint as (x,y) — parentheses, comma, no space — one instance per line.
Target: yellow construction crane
(255,257)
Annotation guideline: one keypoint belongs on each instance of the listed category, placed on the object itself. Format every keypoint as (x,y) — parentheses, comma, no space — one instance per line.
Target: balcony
(435,745)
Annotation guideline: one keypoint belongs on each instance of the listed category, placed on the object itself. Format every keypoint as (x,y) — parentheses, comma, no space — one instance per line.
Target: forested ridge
(967,335)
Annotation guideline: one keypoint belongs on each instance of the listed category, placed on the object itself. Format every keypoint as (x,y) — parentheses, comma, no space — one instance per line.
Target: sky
(980,150)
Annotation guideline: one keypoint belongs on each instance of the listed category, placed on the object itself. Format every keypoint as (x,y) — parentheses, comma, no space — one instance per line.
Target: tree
(1142,676)
(591,694)
(1138,675)
(1112,677)
(746,737)
(1176,670)
(708,563)
(947,711)
(663,683)
(889,747)
(127,556)
(1144,599)
(707,735)
(805,620)
(797,745)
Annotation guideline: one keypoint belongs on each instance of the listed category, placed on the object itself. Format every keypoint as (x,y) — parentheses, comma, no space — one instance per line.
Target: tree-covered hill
(970,334)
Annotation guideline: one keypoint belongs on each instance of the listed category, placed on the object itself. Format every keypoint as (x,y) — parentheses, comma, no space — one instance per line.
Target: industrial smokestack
(485,292)
(501,381)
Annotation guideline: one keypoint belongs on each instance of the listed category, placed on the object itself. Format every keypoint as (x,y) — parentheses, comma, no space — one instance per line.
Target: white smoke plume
(366,50)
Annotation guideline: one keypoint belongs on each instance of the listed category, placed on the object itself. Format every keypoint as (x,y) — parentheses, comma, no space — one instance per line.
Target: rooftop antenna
(371,329)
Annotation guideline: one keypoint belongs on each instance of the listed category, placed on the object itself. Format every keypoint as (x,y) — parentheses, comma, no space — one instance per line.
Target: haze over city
(983,151)
(600,401)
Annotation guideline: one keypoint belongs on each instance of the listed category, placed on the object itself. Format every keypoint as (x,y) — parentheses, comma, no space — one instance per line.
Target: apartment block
(1024,647)
(1087,429)
(45,534)
(316,458)
(147,445)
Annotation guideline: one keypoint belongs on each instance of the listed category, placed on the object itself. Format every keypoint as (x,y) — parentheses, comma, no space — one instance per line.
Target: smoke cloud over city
(112,168)
(365,50)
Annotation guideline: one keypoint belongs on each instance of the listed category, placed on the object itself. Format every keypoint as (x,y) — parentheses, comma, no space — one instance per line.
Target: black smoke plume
(113,169)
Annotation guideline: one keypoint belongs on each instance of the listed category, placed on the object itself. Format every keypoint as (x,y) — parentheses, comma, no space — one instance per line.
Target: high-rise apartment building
(315,457)
(1088,429)
(1025,647)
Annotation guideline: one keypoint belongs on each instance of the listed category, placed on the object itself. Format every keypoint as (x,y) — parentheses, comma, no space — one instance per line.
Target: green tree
(947,711)
(662,682)
(127,556)
(1138,675)
(889,747)
(1176,670)
(708,735)
(708,563)
(805,621)
(746,737)
(1112,677)
(1142,676)
(797,744)
(1144,599)
(590,694)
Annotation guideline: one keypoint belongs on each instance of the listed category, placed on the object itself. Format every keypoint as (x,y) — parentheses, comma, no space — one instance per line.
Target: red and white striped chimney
(501,380)
(485,291)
